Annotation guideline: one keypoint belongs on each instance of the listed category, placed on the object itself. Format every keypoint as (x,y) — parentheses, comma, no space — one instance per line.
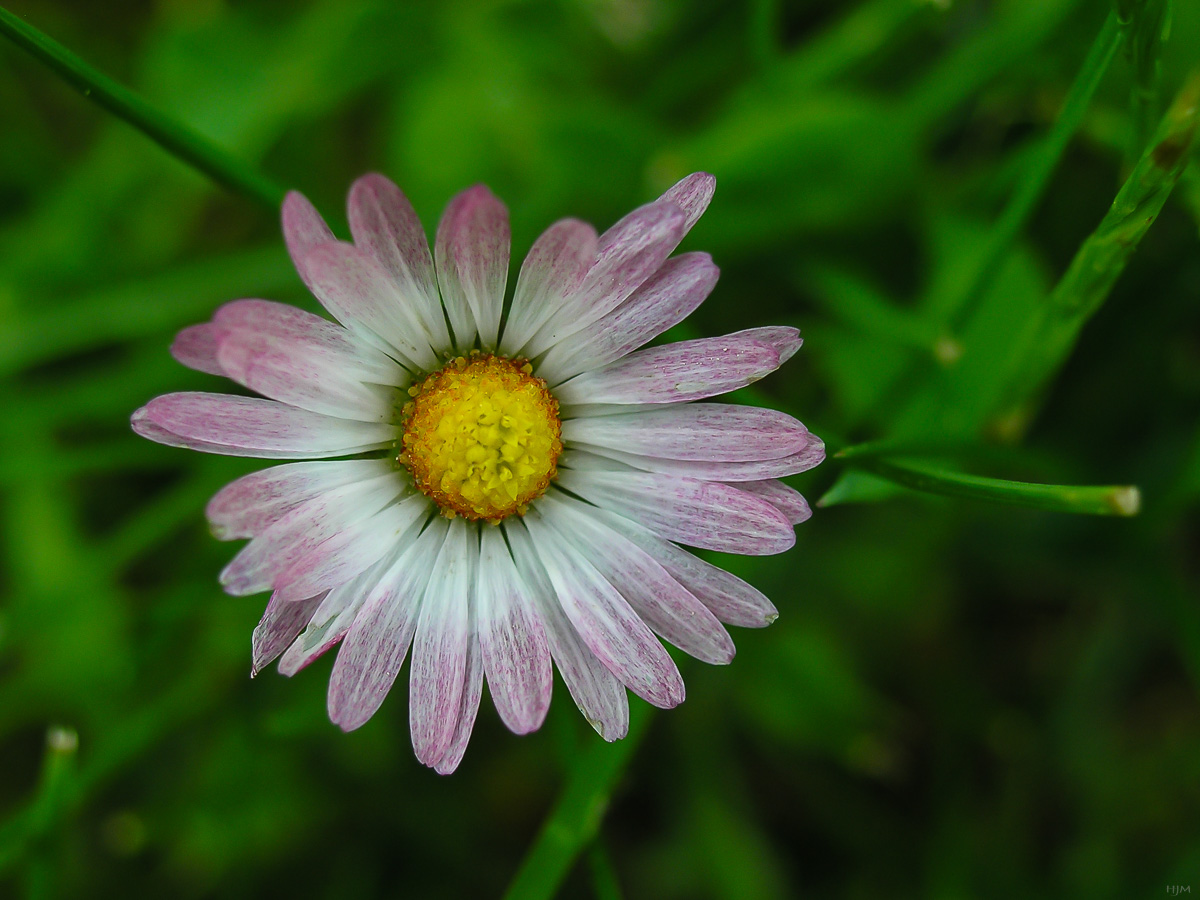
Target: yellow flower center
(481,437)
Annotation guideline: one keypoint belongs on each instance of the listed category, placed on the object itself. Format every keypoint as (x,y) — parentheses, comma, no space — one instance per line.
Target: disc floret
(482,436)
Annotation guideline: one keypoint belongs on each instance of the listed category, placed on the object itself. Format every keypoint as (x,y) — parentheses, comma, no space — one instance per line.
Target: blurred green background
(958,700)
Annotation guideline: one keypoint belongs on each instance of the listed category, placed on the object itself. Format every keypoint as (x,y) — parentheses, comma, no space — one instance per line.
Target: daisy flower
(491,487)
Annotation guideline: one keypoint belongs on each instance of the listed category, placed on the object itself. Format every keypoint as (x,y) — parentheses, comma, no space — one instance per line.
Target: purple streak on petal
(472,251)
(468,709)
(667,298)
(252,503)
(604,620)
(330,622)
(293,374)
(280,625)
(384,224)
(688,370)
(303,229)
(360,294)
(352,550)
(553,269)
(196,348)
(692,194)
(515,653)
(784,498)
(258,566)
(302,332)
(253,427)
(371,656)
(597,693)
(704,514)
(665,605)
(439,657)
(629,253)
(728,597)
(783,338)
(754,470)
(696,431)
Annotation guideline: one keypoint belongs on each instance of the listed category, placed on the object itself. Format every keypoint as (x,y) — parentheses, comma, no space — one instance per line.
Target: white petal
(471,251)
(383,626)
(300,531)
(439,659)
(628,254)
(665,299)
(516,655)
(280,624)
(553,269)
(331,620)
(696,431)
(598,693)
(354,549)
(711,515)
(248,506)
(604,620)
(665,605)
(248,426)
(384,224)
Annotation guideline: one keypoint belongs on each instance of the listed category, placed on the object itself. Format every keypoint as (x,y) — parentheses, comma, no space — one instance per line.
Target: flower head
(493,488)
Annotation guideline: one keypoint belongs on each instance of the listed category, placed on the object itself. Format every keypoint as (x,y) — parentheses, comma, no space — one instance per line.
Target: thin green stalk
(1103,256)
(1114,500)
(173,136)
(575,820)
(1032,183)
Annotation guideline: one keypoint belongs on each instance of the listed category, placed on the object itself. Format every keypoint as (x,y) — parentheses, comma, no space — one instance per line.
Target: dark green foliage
(960,699)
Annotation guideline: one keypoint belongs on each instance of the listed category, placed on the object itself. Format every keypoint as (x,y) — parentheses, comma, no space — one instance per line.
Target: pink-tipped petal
(331,620)
(597,692)
(696,431)
(196,348)
(354,549)
(729,598)
(516,656)
(298,533)
(359,293)
(665,605)
(783,338)
(784,498)
(247,426)
(303,229)
(301,332)
(280,624)
(300,376)
(692,194)
(628,254)
(688,370)
(553,270)
(704,470)
(254,502)
(710,515)
(604,620)
(468,709)
(385,224)
(376,644)
(472,251)
(439,656)
(667,298)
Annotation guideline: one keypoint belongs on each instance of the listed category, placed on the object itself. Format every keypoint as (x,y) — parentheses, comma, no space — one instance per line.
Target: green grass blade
(1146,24)
(575,820)
(173,136)
(1114,500)
(1102,258)
(1032,183)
